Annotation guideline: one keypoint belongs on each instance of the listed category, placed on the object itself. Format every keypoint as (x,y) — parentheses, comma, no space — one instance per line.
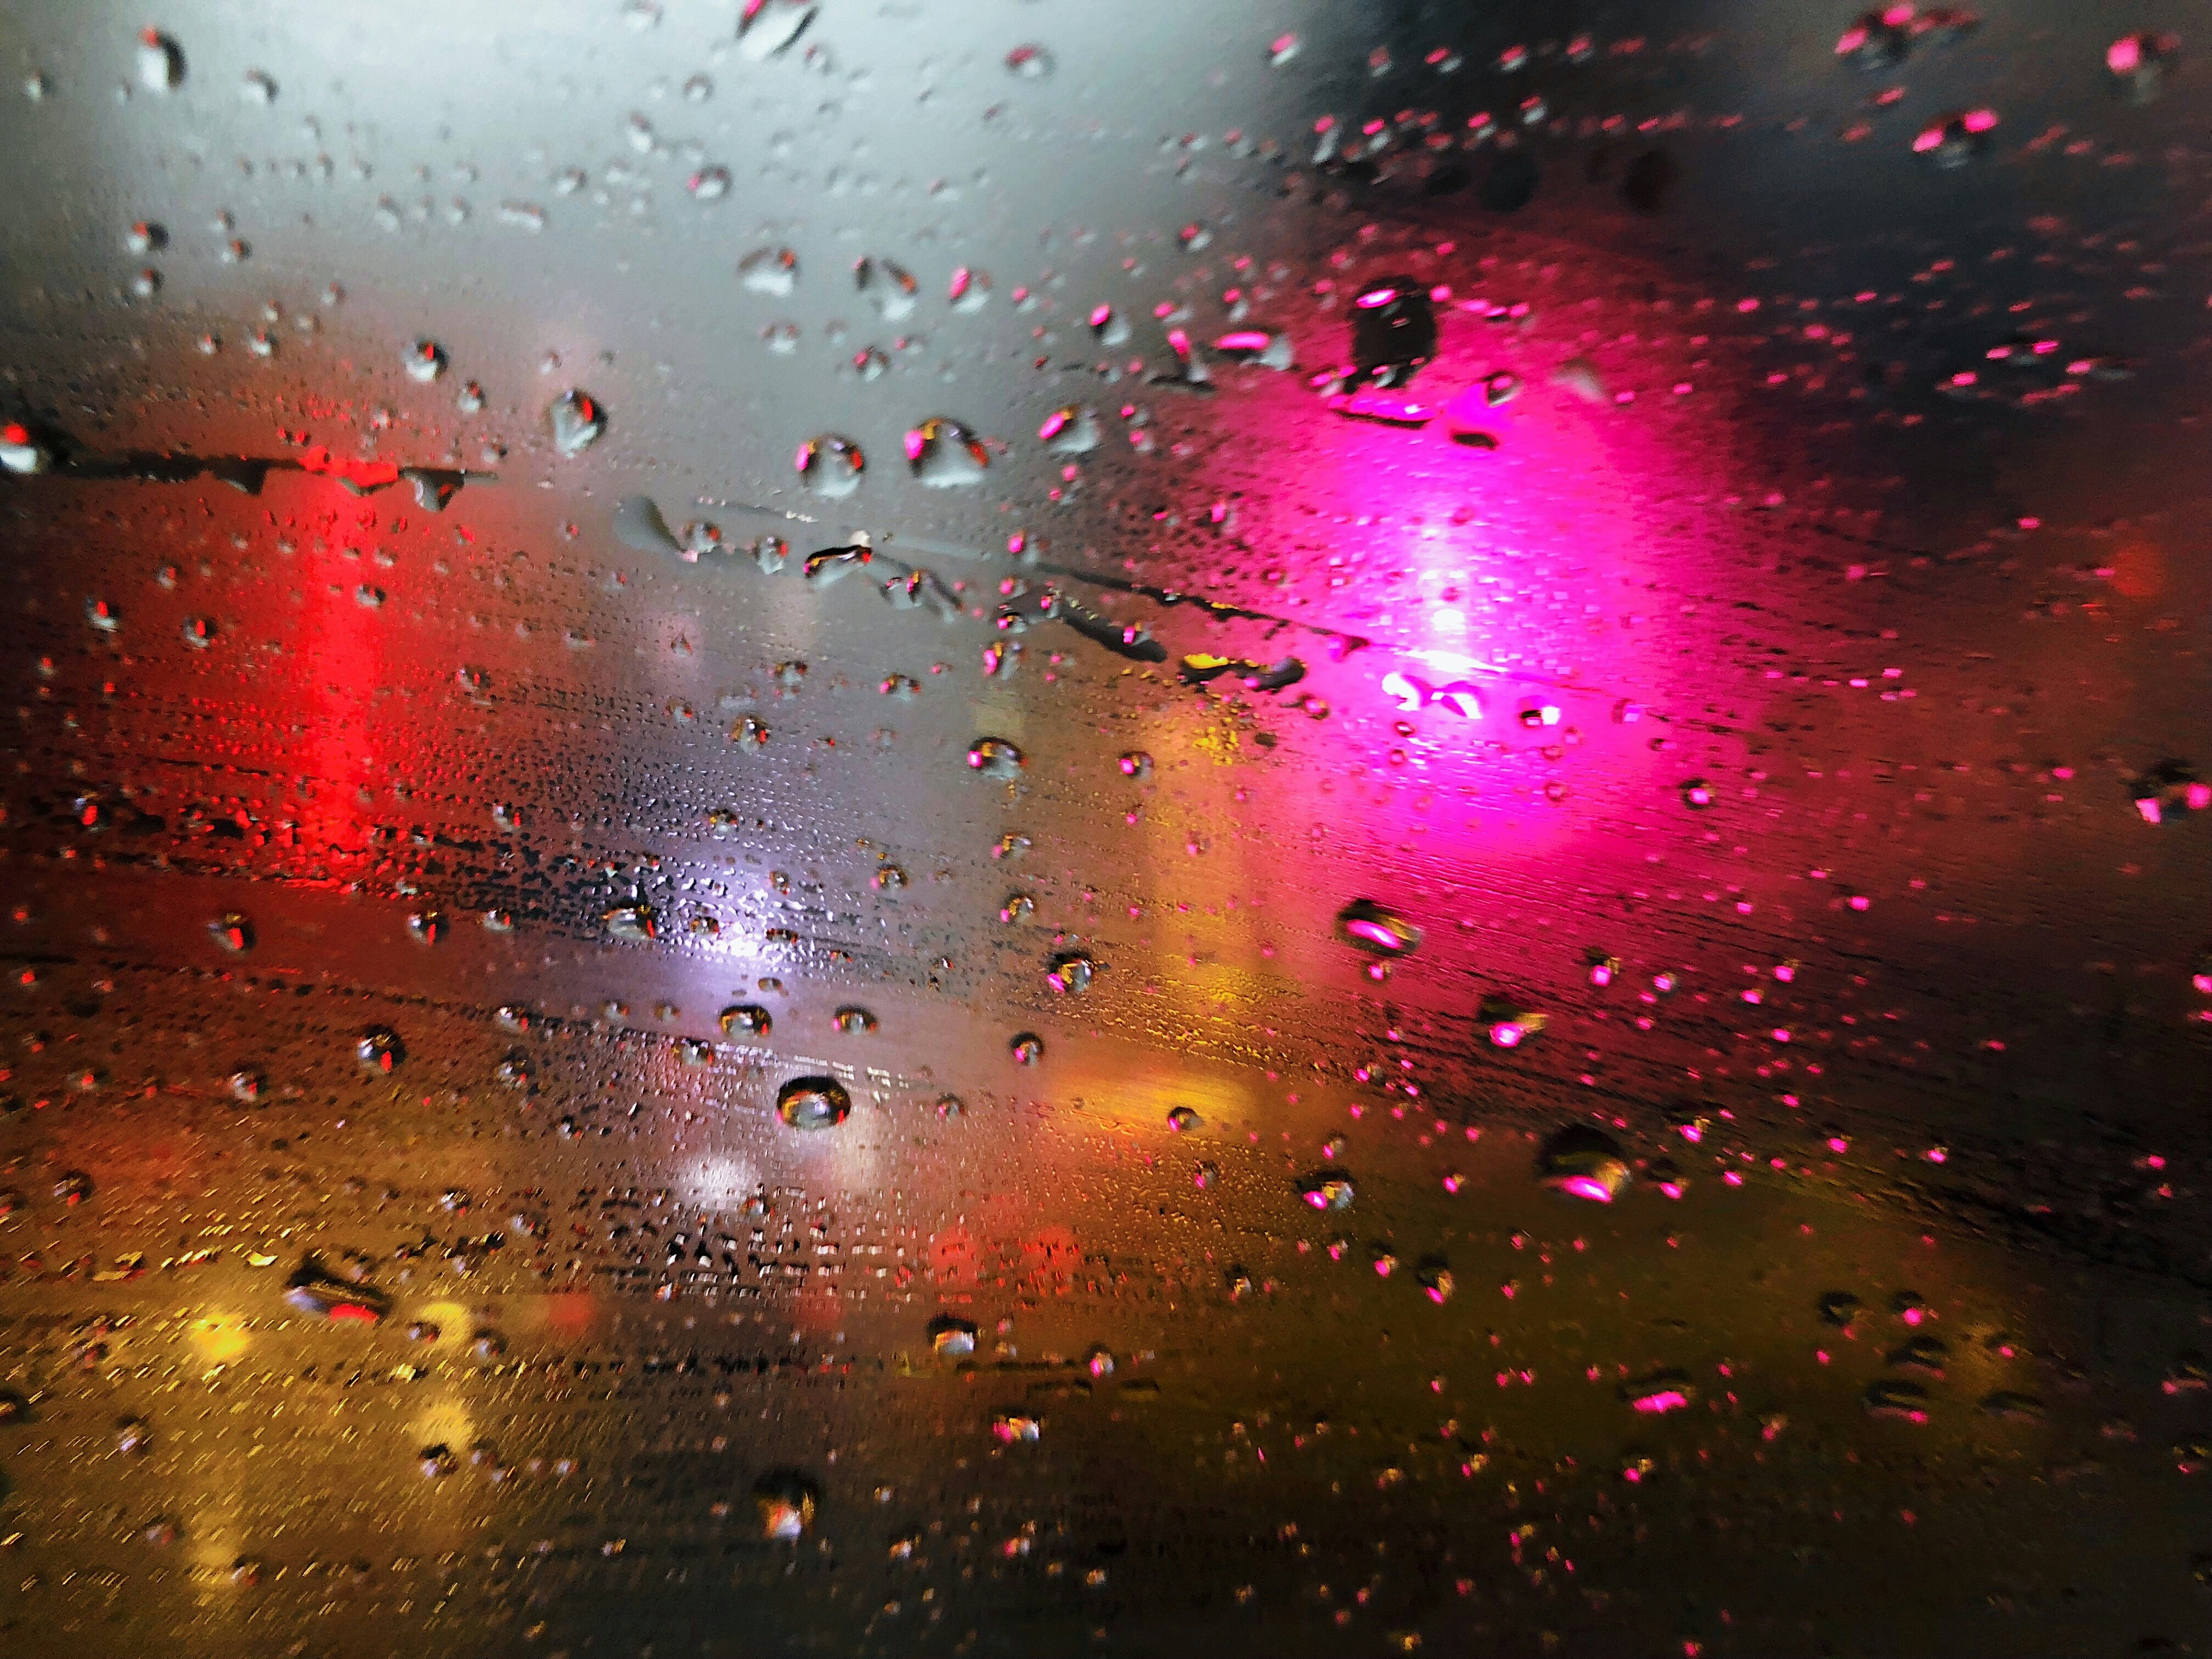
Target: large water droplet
(1072,429)
(813,1102)
(766,28)
(773,270)
(943,454)
(1583,1161)
(891,288)
(160,62)
(577,422)
(1071,971)
(830,466)
(1366,926)
(995,757)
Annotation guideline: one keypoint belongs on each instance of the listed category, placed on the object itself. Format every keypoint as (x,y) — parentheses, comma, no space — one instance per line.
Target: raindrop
(772,553)
(636,922)
(748,1018)
(830,466)
(813,1102)
(1183,1120)
(2138,63)
(145,237)
(711,184)
(1018,907)
(1366,926)
(425,362)
(771,271)
(1394,331)
(426,927)
(1031,63)
(160,62)
(1072,429)
(1585,1162)
(891,288)
(850,1020)
(1953,141)
(766,28)
(1027,1048)
(1071,971)
(256,86)
(232,931)
(943,454)
(969,290)
(379,1050)
(1134,765)
(749,729)
(951,1336)
(994,758)
(1327,1189)
(577,422)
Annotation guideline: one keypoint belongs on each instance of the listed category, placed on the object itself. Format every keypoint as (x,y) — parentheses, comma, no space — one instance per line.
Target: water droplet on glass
(771,271)
(232,931)
(1071,971)
(891,288)
(577,422)
(830,466)
(1134,765)
(851,1020)
(1366,926)
(1031,63)
(636,922)
(1953,141)
(951,1336)
(380,1050)
(160,62)
(969,290)
(943,454)
(1183,1120)
(1072,429)
(1027,1048)
(1327,1189)
(766,28)
(1583,1161)
(813,1102)
(1394,331)
(426,927)
(256,86)
(994,758)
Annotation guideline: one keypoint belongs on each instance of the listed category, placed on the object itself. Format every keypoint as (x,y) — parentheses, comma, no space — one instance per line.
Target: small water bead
(904,687)
(471,398)
(891,288)
(869,363)
(2138,63)
(246,1086)
(1509,1023)
(1011,845)
(1879,39)
(147,283)
(1026,1047)
(771,271)
(749,730)
(380,1050)
(995,757)
(1071,429)
(1014,1428)
(813,1102)
(256,86)
(498,920)
(969,290)
(1108,326)
(160,62)
(830,466)
(1434,1276)
(696,1053)
(1183,1120)
(73,1187)
(1031,63)
(780,337)
(1583,1161)
(709,184)
(636,922)
(1017,906)
(1327,1189)
(943,454)
(1660,1392)
(1135,764)
(426,927)
(851,1020)
(1206,1176)
(232,931)
(888,879)
(1899,1400)
(145,237)
(577,422)
(950,1107)
(1071,971)
(746,1018)
(766,28)
(950,1336)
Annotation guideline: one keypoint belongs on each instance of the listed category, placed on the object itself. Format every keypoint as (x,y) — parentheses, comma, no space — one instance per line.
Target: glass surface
(1041,829)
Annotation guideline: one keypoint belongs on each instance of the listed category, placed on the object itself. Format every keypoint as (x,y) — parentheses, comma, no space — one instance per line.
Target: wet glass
(1045,829)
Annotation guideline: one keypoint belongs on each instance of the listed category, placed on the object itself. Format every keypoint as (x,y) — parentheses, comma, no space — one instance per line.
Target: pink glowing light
(1376,298)
(1601,975)
(1837,1145)
(1507,1034)
(1661,1401)
(1591,1187)
(1978,120)
(2197,796)
(2124,56)
(1692,1133)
